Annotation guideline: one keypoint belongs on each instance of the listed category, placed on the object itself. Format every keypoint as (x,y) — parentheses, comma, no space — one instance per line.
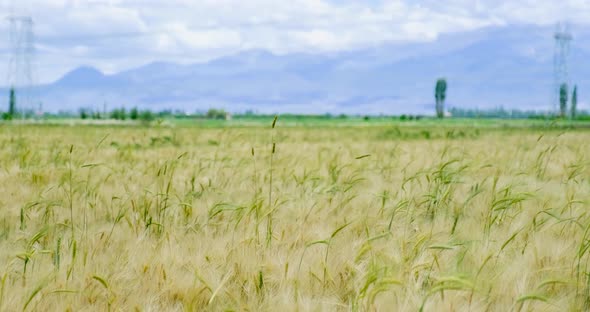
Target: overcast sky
(114,35)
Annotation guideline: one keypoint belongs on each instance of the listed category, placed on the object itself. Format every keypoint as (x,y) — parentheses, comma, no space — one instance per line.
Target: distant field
(361,215)
(331,121)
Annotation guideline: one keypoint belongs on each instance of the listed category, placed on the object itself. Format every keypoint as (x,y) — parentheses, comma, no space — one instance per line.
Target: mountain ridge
(499,66)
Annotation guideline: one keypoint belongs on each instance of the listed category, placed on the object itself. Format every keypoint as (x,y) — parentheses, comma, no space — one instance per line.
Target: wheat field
(373,218)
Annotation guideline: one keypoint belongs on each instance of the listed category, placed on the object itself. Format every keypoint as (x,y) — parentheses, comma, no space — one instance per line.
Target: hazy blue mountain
(503,66)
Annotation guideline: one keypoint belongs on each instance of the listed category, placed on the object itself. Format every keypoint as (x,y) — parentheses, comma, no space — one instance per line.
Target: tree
(12,103)
(574,102)
(440,94)
(134,114)
(83,113)
(563,99)
(216,114)
(118,114)
(114,114)
(147,116)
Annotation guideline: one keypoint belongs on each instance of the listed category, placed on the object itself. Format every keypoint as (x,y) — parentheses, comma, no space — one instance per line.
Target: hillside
(505,66)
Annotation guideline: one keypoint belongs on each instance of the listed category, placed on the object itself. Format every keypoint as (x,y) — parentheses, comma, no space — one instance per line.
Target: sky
(114,35)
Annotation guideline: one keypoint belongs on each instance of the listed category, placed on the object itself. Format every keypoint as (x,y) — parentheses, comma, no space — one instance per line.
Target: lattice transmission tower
(21,64)
(563,38)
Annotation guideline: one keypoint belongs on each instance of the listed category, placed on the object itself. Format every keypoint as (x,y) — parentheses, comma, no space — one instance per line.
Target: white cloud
(118,34)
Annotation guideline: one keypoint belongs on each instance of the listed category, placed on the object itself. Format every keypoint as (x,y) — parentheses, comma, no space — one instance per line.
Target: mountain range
(505,66)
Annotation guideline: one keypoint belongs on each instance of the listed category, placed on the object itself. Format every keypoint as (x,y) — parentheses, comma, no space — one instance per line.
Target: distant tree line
(119,114)
(440,95)
(502,113)
(147,115)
